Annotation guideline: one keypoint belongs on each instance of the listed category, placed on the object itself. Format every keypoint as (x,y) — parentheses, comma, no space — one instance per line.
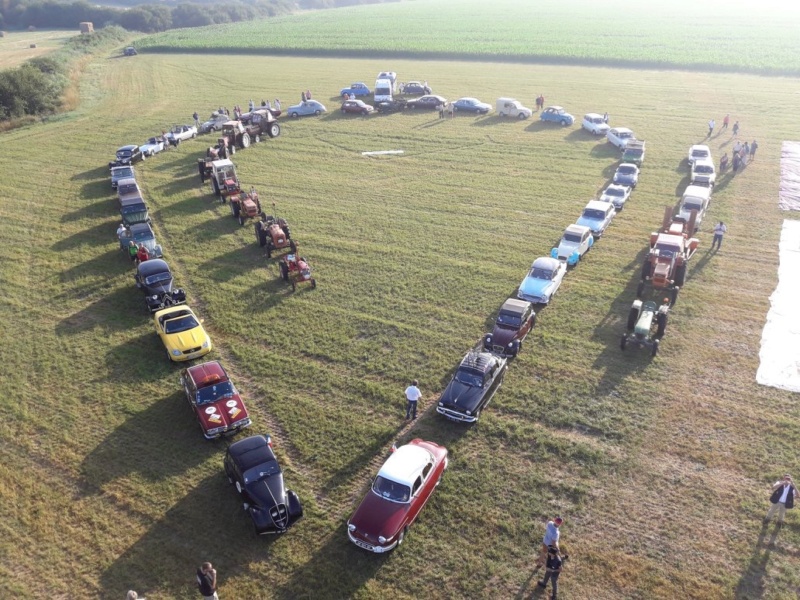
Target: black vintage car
(390,106)
(477,379)
(514,323)
(154,278)
(127,155)
(429,101)
(251,466)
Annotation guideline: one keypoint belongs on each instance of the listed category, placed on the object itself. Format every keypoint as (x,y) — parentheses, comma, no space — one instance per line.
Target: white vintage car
(620,136)
(595,124)
(154,145)
(576,241)
(542,281)
(617,195)
(181,133)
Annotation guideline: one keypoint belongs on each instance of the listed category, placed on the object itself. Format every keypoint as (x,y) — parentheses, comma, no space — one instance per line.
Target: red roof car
(404,484)
(215,400)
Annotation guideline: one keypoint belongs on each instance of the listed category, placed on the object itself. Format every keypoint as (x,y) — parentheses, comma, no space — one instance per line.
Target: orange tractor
(273,234)
(246,205)
(670,250)
(295,270)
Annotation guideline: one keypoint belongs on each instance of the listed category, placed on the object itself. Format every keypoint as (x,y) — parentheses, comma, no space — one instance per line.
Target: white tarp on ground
(789,194)
(780,340)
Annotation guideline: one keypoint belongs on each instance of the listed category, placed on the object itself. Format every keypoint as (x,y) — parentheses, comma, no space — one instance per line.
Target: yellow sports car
(182,334)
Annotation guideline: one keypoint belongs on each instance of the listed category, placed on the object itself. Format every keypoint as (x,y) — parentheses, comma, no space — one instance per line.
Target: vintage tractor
(246,205)
(234,134)
(259,123)
(670,251)
(273,234)
(295,270)
(224,179)
(647,323)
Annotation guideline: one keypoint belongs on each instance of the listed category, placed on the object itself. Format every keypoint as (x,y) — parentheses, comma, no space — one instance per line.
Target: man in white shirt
(121,230)
(551,537)
(783,494)
(719,230)
(412,396)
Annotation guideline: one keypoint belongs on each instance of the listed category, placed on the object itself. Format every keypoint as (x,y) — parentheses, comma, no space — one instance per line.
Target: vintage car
(634,152)
(127,188)
(514,321)
(154,145)
(617,195)
(214,123)
(309,107)
(141,233)
(698,152)
(429,101)
(355,89)
(695,199)
(415,88)
(595,124)
(597,216)
(556,114)
(390,75)
(703,172)
(472,105)
(118,173)
(619,137)
(182,333)
(129,51)
(133,211)
(626,174)
(154,278)
(543,280)
(576,241)
(252,467)
(477,379)
(181,133)
(390,106)
(398,493)
(216,402)
(358,107)
(127,155)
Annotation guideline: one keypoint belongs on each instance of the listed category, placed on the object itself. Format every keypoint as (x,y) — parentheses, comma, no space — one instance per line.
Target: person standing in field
(720,229)
(711,124)
(725,121)
(783,495)
(196,118)
(552,571)
(207,581)
(605,118)
(412,398)
(753,148)
(277,104)
(736,128)
(441,110)
(551,537)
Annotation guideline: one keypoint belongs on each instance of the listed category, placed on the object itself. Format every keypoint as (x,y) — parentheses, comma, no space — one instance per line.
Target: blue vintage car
(141,233)
(355,89)
(556,114)
(542,280)
(472,105)
(576,241)
(309,107)
(617,195)
(627,174)
(597,216)
(154,145)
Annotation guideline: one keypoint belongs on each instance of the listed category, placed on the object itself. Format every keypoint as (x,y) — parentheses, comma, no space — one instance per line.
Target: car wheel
(364,112)
(228,475)
(564,123)
(316,113)
(343,111)
(640,289)
(194,135)
(521,116)
(294,115)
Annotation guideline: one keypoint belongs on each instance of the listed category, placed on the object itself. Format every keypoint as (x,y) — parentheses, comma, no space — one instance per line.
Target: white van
(695,197)
(508,107)
(383,90)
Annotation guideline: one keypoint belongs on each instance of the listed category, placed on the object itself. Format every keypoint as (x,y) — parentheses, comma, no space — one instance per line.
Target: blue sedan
(556,114)
(309,107)
(627,174)
(543,280)
(472,105)
(597,216)
(355,89)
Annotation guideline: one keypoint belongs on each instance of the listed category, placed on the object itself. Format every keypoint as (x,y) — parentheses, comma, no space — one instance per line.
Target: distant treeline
(37,87)
(150,18)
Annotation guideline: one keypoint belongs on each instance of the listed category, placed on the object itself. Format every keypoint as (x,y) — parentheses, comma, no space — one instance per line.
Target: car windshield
(142,236)
(213,393)
(152,141)
(542,274)
(699,153)
(572,237)
(597,120)
(625,134)
(667,250)
(593,213)
(633,152)
(692,204)
(469,378)
(391,490)
(127,188)
(157,278)
(704,169)
(615,192)
(626,170)
(262,471)
(123,173)
(129,209)
(124,153)
(179,324)
(509,319)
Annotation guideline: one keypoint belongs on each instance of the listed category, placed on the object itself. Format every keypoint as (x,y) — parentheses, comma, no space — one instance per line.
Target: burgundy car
(213,397)
(404,484)
(515,321)
(358,107)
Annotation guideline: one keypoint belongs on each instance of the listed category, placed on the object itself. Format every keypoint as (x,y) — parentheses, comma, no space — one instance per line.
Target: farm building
(87,27)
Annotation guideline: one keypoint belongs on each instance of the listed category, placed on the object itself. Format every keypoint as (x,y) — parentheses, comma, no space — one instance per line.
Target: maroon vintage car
(514,322)
(213,397)
(404,484)
(358,107)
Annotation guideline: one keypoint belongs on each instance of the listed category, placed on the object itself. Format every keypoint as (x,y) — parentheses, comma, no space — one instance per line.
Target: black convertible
(154,278)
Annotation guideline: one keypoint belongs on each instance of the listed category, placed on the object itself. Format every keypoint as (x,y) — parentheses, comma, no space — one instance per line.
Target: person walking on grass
(196,118)
(725,121)
(441,110)
(207,581)
(711,124)
(783,495)
(736,128)
(753,148)
(412,398)
(552,571)
(720,229)
(551,537)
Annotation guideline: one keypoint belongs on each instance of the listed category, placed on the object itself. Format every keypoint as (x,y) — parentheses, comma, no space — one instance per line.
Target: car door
(585,242)
(527,323)
(189,388)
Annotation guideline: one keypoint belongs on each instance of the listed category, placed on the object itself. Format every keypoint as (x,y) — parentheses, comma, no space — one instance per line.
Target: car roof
(468,99)
(704,161)
(622,130)
(576,229)
(131,201)
(432,96)
(635,144)
(592,116)
(127,181)
(140,227)
(700,147)
(128,147)
(512,305)
(596,204)
(478,361)
(545,262)
(251,452)
(555,108)
(208,373)
(405,464)
(617,186)
(415,82)
(626,164)
(154,265)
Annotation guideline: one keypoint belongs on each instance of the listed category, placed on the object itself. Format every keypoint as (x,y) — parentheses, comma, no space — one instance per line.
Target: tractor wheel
(633,316)
(257,139)
(646,268)
(245,140)
(261,235)
(640,289)
(623,342)
(284,271)
(269,251)
(680,275)
(661,319)
(232,149)
(242,219)
(274,130)
(675,295)
(313,284)
(216,187)
(654,351)
(235,208)
(294,285)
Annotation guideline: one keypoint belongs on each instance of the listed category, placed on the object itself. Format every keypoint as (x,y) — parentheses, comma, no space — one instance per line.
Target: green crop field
(661,466)
(713,35)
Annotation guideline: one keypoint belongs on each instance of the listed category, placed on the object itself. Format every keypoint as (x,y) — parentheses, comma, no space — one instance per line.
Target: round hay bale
(33,45)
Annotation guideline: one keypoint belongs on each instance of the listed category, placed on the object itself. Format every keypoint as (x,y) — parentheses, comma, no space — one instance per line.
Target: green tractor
(647,323)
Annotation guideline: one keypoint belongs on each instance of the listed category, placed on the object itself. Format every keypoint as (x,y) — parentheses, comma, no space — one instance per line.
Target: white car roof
(704,161)
(592,116)
(405,464)
(545,262)
(700,147)
(622,130)
(577,229)
(596,204)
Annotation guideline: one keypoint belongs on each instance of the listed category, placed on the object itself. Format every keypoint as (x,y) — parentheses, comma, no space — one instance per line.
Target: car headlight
(469,412)
(205,344)
(351,527)
(381,539)
(154,297)
(441,403)
(176,352)
(488,339)
(510,344)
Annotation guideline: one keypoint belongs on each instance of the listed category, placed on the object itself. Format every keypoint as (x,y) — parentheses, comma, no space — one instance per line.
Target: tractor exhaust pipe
(667,219)
(690,226)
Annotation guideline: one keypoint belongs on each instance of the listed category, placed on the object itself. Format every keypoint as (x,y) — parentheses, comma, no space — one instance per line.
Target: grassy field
(661,467)
(712,35)
(15,45)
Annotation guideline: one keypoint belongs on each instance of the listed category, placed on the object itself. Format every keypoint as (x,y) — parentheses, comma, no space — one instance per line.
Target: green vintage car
(634,152)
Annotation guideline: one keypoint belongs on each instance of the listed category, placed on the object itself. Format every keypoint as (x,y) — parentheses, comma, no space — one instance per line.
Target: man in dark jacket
(783,494)
(207,581)
(554,566)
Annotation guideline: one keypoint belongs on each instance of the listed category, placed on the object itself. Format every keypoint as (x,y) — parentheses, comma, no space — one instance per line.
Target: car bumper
(190,356)
(233,430)
(370,547)
(456,416)
(533,298)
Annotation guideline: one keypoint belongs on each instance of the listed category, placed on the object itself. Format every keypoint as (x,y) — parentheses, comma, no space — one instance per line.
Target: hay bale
(87,27)
(31,28)
(33,46)
(2,34)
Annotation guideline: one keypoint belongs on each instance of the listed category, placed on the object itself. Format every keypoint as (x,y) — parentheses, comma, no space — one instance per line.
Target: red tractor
(234,134)
(273,234)
(295,270)
(670,251)
(246,205)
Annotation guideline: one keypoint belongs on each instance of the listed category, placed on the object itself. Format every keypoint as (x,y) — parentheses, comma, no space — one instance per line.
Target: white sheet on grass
(780,340)
(789,193)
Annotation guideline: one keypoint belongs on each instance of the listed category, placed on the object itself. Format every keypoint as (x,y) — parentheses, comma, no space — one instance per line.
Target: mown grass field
(15,45)
(661,467)
(713,35)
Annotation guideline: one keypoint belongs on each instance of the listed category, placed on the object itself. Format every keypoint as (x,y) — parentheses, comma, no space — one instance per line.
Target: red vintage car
(215,400)
(404,484)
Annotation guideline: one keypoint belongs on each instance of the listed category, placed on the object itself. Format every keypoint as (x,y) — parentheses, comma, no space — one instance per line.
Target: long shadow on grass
(99,235)
(101,209)
(751,583)
(101,266)
(580,136)
(237,262)
(185,165)
(208,524)
(606,150)
(338,569)
(482,120)
(118,310)
(206,202)
(269,291)
(539,125)
(97,173)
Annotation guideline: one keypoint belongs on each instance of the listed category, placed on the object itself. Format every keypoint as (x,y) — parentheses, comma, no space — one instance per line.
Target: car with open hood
(597,216)
(478,377)
(215,401)
(617,195)
(182,333)
(154,278)
(252,467)
(398,493)
(543,280)
(514,322)
(576,241)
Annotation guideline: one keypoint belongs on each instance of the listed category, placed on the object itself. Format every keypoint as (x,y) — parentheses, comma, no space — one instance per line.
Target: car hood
(593,224)
(615,200)
(565,249)
(502,335)
(163,287)
(532,286)
(222,413)
(185,340)
(376,516)
(622,177)
(268,492)
(461,397)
